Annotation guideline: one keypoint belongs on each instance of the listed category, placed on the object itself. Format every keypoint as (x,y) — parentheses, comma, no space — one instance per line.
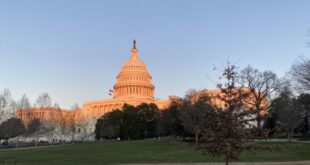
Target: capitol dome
(134,80)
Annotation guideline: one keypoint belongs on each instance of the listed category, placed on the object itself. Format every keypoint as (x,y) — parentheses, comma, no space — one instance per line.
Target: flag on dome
(111,91)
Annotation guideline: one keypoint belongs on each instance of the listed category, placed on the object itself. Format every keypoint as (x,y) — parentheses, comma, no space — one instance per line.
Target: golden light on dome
(134,80)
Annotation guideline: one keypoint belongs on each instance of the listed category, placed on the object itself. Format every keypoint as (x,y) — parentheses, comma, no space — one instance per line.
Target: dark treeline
(142,121)
(14,127)
(289,116)
(146,121)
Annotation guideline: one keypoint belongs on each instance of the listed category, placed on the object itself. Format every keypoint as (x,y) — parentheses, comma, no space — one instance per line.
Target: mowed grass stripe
(145,151)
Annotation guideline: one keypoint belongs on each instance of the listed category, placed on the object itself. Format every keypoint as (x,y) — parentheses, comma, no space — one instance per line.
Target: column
(148,91)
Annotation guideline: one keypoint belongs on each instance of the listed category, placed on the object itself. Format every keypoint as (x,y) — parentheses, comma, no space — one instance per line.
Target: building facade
(133,86)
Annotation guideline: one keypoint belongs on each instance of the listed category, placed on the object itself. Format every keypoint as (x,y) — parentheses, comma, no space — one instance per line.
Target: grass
(144,151)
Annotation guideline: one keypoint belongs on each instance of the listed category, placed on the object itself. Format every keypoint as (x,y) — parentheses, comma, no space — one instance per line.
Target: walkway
(242,163)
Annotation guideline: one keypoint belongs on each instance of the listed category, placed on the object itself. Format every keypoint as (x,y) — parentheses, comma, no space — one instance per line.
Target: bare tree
(53,120)
(260,85)
(300,72)
(304,103)
(308,42)
(5,101)
(12,108)
(11,128)
(227,129)
(72,123)
(193,112)
(75,106)
(56,106)
(34,128)
(291,117)
(22,104)
(63,125)
(44,101)
(72,126)
(288,111)
(8,108)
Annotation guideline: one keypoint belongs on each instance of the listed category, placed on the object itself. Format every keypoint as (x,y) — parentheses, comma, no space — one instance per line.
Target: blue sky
(74,49)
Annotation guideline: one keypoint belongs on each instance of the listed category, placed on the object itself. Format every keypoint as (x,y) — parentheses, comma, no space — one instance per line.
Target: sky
(74,49)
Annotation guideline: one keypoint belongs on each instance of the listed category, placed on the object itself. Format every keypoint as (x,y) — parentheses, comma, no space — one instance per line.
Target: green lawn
(143,151)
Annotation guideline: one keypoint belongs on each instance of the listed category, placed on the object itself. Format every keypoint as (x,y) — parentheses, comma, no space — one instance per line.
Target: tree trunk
(288,134)
(36,139)
(292,133)
(258,119)
(73,137)
(52,138)
(308,125)
(259,126)
(226,162)
(196,138)
(17,142)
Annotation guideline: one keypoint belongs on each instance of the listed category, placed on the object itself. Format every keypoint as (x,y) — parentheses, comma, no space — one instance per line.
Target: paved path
(283,140)
(242,163)
(32,147)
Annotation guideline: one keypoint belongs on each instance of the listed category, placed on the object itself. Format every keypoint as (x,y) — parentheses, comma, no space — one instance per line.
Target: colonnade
(134,90)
